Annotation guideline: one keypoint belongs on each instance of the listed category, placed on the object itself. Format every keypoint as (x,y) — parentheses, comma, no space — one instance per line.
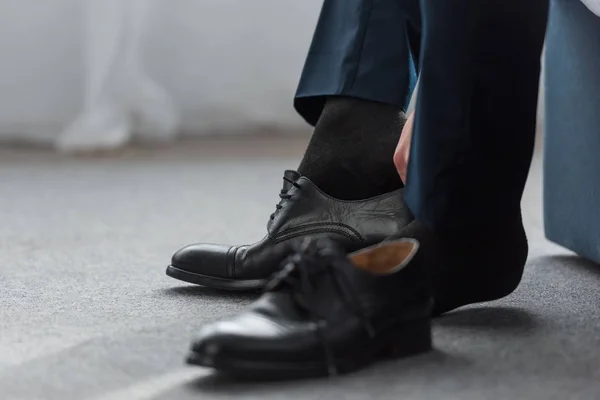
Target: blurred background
(74,71)
(97,74)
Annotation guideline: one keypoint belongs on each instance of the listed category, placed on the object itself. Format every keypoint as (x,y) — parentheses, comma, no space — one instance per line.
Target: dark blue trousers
(479,65)
(361,48)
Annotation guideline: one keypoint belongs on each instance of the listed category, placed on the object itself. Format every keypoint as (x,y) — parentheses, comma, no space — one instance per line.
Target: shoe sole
(402,341)
(216,283)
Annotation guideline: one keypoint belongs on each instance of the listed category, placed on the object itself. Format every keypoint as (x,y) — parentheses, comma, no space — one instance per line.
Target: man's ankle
(350,155)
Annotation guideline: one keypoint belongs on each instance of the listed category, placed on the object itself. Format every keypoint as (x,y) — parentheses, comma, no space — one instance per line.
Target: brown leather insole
(383,259)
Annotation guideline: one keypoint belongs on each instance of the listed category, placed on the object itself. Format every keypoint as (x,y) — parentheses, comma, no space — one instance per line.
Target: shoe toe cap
(246,337)
(209,342)
(224,339)
(203,259)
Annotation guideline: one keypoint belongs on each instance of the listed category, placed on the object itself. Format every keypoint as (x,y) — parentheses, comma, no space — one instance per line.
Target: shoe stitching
(279,240)
(231,261)
(320,227)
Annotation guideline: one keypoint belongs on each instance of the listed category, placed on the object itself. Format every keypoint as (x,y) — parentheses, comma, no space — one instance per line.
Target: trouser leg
(476,110)
(367,49)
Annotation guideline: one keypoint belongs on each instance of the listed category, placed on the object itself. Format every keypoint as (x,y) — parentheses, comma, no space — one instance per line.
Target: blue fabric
(572,129)
(361,48)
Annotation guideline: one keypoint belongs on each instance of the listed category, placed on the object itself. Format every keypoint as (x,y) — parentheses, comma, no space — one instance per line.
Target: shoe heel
(409,340)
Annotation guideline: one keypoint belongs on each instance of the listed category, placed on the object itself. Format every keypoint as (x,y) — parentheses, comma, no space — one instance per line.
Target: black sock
(350,155)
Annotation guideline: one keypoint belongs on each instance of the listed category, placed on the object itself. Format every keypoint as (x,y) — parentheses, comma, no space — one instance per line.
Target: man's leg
(357,79)
(365,49)
(356,83)
(326,313)
(474,137)
(476,111)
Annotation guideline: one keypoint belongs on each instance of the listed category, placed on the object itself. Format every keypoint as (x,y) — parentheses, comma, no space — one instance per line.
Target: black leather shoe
(325,313)
(304,212)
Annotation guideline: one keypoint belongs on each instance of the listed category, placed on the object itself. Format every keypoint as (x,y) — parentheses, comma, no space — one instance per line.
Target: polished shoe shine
(325,313)
(303,212)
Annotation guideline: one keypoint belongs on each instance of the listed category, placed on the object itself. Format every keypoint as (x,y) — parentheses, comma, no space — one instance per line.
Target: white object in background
(120,99)
(593,5)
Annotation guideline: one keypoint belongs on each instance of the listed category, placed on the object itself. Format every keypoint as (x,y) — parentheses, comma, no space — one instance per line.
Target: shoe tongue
(292,176)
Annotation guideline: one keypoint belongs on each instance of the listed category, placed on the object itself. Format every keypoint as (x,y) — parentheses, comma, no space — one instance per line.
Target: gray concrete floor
(87,312)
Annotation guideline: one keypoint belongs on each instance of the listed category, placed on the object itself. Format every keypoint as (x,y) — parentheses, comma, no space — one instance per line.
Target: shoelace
(300,273)
(283,195)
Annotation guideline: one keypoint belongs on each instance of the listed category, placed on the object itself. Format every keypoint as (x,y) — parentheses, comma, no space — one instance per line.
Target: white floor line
(154,385)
